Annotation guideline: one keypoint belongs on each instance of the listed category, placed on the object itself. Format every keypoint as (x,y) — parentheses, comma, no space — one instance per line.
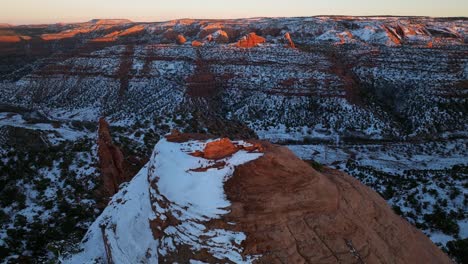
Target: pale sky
(51,11)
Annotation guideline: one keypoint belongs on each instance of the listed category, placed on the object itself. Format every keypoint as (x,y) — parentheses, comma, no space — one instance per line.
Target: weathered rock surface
(219,149)
(294,214)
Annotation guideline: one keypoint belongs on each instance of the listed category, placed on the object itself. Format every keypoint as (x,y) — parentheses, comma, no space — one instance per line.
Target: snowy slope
(167,187)
(124,226)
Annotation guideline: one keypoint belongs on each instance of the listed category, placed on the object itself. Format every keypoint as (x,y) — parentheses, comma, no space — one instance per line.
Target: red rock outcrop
(67,33)
(294,214)
(219,149)
(289,40)
(196,43)
(250,41)
(10,39)
(112,163)
(181,39)
(113,36)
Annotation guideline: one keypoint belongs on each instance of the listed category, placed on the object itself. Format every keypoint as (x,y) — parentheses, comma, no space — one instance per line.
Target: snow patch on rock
(124,231)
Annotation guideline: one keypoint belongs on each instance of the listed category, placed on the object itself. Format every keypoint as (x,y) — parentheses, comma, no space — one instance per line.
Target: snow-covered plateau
(383,99)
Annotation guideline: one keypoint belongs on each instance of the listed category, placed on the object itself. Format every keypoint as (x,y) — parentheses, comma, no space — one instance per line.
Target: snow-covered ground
(389,157)
(130,238)
(60,133)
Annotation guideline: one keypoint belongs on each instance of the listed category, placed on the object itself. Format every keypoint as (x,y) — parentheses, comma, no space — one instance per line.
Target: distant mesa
(117,34)
(5,25)
(13,38)
(250,41)
(10,39)
(85,28)
(64,34)
(110,21)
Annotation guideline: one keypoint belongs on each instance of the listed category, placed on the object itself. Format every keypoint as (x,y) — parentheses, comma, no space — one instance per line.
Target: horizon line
(265,17)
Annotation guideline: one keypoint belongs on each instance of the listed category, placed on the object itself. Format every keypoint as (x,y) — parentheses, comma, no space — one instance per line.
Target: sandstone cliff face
(277,209)
(112,163)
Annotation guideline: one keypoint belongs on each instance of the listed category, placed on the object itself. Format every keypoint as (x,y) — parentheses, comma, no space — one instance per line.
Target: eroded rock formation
(196,43)
(278,210)
(289,40)
(250,41)
(181,39)
(112,164)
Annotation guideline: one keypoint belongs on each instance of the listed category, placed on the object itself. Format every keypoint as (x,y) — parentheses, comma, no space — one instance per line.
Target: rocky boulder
(219,149)
(181,39)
